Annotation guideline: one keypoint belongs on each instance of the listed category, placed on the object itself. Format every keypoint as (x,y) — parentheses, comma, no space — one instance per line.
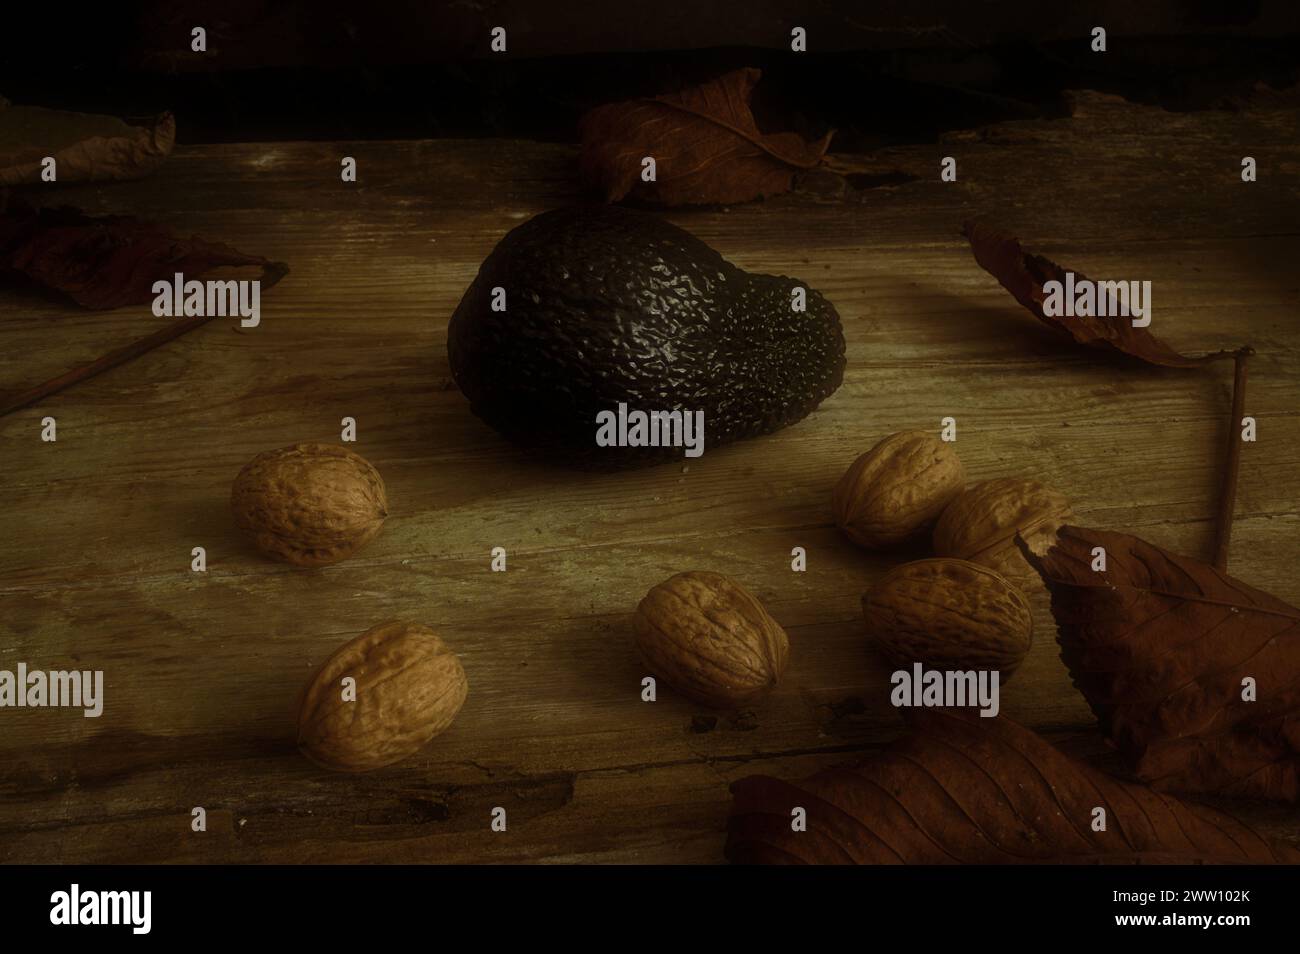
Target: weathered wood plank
(202,671)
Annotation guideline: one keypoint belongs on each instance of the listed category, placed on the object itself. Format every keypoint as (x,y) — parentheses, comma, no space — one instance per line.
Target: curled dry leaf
(960,789)
(108,261)
(85,147)
(1160,644)
(1024,275)
(704,140)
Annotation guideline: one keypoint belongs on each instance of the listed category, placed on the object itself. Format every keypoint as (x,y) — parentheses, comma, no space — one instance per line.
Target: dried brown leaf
(1159,645)
(1024,275)
(960,789)
(705,142)
(86,147)
(107,261)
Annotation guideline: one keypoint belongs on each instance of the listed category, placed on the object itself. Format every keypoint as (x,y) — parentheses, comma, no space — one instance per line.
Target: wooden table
(202,670)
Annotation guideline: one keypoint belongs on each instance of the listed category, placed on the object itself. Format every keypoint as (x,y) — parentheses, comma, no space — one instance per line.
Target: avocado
(605,306)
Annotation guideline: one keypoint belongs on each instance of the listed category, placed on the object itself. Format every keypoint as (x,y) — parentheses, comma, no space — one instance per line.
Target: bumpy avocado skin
(607,305)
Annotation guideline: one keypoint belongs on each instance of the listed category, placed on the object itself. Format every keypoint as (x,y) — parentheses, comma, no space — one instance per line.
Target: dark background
(880,73)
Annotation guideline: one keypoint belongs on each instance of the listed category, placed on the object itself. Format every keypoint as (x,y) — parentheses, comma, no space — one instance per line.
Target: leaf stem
(1228,490)
(111,360)
(272,272)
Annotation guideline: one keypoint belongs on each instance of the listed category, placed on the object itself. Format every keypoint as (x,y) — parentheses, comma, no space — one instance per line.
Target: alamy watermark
(56,688)
(181,299)
(946,688)
(1084,298)
(636,428)
(75,906)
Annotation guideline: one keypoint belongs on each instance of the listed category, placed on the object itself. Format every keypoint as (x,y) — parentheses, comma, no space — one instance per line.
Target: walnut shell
(309,504)
(709,639)
(981,525)
(949,614)
(409,687)
(897,489)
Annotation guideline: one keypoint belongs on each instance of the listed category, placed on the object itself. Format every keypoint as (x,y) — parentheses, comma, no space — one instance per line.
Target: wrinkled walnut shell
(949,614)
(981,526)
(409,687)
(896,490)
(709,639)
(309,504)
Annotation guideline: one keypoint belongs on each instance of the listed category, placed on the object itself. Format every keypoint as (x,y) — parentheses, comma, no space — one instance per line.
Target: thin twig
(272,272)
(1228,492)
(1219,356)
(171,330)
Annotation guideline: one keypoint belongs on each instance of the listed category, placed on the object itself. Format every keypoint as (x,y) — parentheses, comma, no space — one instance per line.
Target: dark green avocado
(606,306)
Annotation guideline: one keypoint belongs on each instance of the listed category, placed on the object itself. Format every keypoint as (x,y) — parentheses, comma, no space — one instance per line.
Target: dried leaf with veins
(1024,275)
(84,146)
(108,261)
(1160,644)
(704,140)
(961,789)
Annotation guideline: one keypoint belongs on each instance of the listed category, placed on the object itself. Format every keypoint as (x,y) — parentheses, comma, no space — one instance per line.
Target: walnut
(710,640)
(407,687)
(309,504)
(949,614)
(981,525)
(897,489)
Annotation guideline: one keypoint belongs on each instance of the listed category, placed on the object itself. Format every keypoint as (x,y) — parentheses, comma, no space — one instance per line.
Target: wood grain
(202,670)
